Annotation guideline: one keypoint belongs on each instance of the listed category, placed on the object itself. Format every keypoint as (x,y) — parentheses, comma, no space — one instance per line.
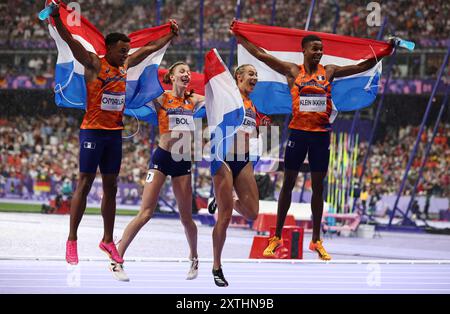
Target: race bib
(249,125)
(313,103)
(113,101)
(178,122)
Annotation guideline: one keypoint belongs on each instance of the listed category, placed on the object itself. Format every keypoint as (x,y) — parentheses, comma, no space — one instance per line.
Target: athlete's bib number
(181,123)
(113,101)
(249,125)
(313,103)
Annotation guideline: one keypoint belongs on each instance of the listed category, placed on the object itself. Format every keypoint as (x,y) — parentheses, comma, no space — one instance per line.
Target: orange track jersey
(106,99)
(176,114)
(311,101)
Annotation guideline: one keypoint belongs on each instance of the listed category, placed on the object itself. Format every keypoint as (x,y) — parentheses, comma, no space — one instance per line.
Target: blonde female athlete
(237,173)
(175,110)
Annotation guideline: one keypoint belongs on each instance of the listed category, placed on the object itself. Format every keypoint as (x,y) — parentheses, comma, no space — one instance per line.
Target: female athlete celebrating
(237,173)
(175,110)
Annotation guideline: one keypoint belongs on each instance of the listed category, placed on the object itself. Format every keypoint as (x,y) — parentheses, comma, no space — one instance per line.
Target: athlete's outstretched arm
(282,67)
(142,53)
(338,71)
(89,60)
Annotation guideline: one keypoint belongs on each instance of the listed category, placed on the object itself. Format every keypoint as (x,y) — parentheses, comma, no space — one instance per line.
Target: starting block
(264,222)
(292,247)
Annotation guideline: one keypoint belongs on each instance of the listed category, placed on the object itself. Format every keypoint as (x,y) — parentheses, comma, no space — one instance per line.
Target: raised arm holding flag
(102,89)
(310,87)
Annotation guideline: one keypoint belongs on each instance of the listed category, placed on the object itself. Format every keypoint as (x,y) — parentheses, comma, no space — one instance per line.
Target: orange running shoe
(274,243)
(318,247)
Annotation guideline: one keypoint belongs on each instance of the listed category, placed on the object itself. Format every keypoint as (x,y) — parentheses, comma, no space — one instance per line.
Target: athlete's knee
(317,188)
(252,215)
(187,221)
(288,186)
(110,187)
(84,186)
(253,212)
(145,215)
(224,221)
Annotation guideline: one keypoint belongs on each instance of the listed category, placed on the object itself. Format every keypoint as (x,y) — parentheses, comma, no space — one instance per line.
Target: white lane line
(229,289)
(5,276)
(241,260)
(285,282)
(232,270)
(244,266)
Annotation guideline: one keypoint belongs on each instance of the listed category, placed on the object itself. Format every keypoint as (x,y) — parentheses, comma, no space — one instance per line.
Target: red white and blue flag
(142,80)
(272,95)
(224,107)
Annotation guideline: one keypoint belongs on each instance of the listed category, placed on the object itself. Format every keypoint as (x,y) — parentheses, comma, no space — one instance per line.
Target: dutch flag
(142,80)
(224,107)
(272,95)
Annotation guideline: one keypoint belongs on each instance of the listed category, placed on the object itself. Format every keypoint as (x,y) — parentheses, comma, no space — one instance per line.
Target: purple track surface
(28,276)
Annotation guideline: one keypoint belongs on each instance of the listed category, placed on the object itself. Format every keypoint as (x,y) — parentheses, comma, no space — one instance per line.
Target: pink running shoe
(71,252)
(111,250)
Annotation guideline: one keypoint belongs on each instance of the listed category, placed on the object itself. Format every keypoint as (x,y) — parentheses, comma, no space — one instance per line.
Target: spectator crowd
(413,19)
(36,147)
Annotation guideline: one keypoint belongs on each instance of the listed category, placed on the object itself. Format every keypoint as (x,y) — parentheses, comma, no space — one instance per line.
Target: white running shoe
(193,270)
(118,272)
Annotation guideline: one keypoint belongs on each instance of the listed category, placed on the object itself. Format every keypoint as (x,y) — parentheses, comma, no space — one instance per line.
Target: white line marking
(314,282)
(229,289)
(240,260)
(232,274)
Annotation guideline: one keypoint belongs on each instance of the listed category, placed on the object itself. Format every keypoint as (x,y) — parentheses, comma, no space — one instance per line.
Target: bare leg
(149,202)
(78,203)
(109,205)
(223,186)
(247,191)
(182,188)
(284,201)
(317,202)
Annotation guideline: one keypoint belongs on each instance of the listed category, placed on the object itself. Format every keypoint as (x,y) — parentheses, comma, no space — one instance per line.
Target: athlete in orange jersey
(236,174)
(310,127)
(100,134)
(175,109)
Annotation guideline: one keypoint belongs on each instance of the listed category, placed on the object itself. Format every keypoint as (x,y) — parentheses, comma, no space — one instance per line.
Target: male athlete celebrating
(310,87)
(101,129)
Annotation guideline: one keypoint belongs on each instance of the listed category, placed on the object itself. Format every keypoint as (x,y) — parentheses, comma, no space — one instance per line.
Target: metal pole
(200,52)
(233,39)
(158,12)
(381,31)
(311,9)
(416,145)
(337,16)
(274,12)
(427,151)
